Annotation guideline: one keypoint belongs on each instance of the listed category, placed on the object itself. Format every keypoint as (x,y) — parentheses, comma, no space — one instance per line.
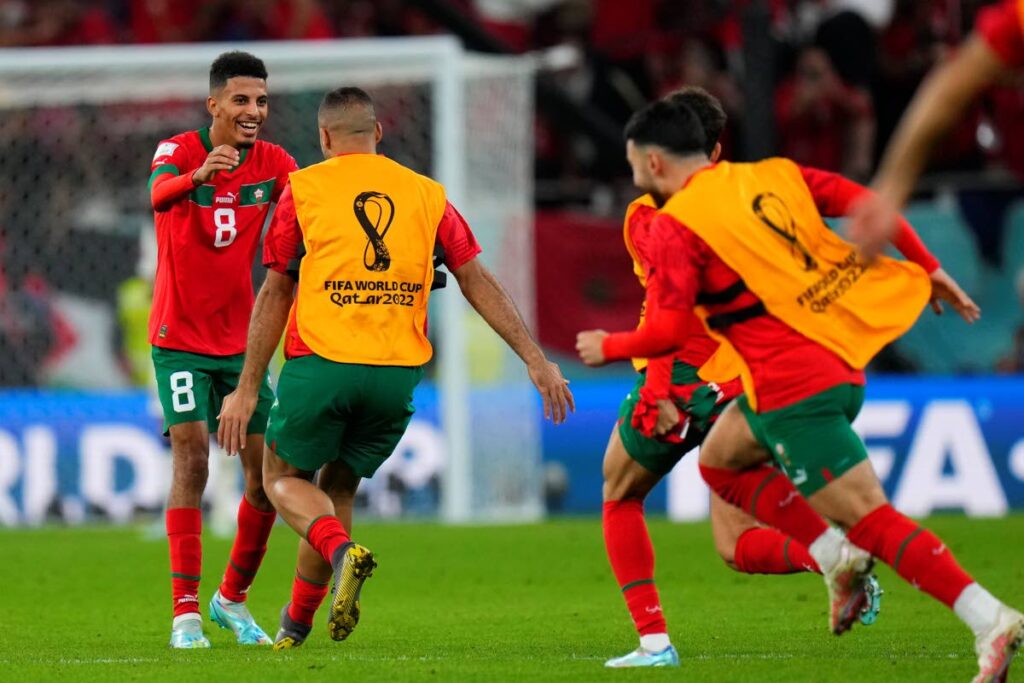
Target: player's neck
(218,138)
(352,149)
(679,174)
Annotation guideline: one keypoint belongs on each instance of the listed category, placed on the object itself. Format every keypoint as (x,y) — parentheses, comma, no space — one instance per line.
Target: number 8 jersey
(206,243)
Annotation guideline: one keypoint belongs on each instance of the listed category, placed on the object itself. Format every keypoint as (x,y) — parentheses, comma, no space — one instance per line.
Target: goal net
(78,128)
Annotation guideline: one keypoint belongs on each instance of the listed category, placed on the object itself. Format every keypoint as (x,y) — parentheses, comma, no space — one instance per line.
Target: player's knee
(615,487)
(257,496)
(191,470)
(727,551)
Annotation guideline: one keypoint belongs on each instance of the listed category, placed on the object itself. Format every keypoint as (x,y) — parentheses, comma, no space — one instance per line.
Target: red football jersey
(206,243)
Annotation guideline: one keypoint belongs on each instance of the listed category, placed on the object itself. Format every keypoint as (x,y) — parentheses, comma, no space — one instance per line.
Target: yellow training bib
(369,226)
(762,221)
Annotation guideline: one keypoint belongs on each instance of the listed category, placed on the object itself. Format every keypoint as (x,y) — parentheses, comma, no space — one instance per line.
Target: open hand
(945,288)
(235,413)
(553,389)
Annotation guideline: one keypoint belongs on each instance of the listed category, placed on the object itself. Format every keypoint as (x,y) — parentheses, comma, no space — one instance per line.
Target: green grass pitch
(481,603)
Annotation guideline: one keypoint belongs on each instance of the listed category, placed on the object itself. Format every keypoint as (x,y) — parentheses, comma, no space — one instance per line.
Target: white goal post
(466,120)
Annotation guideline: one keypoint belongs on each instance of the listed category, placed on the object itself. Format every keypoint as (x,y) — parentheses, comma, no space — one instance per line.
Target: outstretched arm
(835,195)
(938,105)
(677,257)
(269,317)
(493,303)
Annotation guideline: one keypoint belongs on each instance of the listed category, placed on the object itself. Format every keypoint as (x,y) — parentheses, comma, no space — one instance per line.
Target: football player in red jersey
(211,191)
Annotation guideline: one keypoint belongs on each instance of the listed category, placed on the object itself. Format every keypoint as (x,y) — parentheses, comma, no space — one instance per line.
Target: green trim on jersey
(256,193)
(160,170)
(252,194)
(204,137)
(202,195)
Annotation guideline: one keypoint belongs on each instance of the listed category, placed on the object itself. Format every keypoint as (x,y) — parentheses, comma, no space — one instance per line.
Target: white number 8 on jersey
(226,233)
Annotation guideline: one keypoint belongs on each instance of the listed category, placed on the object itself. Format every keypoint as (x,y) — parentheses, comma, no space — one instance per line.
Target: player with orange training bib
(211,191)
(676,400)
(359,232)
(746,245)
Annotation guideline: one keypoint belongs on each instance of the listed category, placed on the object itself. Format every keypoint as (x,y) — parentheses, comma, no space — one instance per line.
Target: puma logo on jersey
(229,198)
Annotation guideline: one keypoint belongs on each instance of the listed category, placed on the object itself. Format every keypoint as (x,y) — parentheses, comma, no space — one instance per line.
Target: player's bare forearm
(493,303)
(485,294)
(938,105)
(269,316)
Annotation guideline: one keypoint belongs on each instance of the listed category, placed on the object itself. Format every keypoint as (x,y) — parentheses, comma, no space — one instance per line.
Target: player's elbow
(473,280)
(159,203)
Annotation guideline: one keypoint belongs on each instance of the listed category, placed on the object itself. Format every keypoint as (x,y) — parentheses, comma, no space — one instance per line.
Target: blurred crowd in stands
(830,77)
(842,70)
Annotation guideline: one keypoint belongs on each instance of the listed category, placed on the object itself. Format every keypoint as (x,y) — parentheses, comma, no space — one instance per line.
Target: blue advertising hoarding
(937,444)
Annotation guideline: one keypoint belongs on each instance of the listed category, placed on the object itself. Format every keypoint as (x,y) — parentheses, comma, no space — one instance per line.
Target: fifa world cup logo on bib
(375,211)
(773,212)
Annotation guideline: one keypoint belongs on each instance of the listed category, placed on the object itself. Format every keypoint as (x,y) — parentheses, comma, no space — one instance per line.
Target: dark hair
(232,64)
(344,97)
(707,108)
(672,126)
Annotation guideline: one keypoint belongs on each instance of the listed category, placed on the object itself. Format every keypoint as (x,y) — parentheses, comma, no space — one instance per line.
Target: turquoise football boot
(187,634)
(235,617)
(869,613)
(641,657)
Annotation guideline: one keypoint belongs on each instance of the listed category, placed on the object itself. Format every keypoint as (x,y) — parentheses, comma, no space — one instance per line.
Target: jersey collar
(204,137)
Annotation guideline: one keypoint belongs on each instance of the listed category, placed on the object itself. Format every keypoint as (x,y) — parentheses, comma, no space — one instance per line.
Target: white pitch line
(108,660)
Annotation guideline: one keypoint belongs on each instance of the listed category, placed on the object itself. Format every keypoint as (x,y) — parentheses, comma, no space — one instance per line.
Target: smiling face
(239,110)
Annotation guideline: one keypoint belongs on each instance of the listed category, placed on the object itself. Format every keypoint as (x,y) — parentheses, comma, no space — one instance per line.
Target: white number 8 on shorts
(182,397)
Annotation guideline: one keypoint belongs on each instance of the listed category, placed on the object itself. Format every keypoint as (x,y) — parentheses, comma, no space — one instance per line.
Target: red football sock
(306,598)
(768,495)
(250,545)
(326,535)
(632,559)
(915,553)
(184,528)
(769,551)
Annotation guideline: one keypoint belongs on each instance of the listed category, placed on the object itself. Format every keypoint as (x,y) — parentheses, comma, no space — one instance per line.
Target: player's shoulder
(1001,27)
(185,142)
(274,155)
(402,169)
(188,138)
(640,212)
